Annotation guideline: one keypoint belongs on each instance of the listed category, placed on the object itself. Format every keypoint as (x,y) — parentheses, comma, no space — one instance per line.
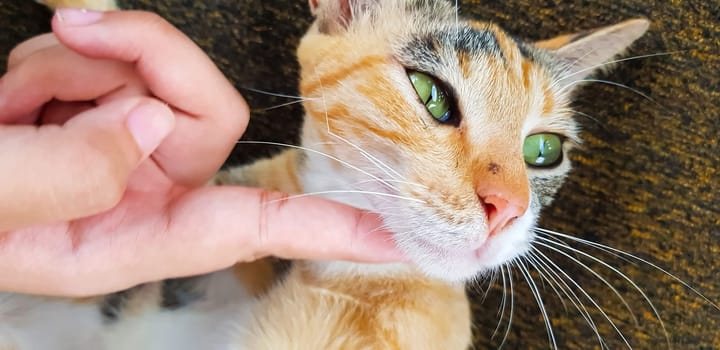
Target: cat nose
(500,210)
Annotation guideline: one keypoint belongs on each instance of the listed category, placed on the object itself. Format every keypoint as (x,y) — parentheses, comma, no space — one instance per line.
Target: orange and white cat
(456,132)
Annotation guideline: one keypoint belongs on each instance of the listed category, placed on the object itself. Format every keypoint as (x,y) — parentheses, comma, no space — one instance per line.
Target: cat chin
(457,265)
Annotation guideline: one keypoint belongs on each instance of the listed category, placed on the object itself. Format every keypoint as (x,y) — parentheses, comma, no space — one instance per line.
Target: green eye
(432,95)
(542,150)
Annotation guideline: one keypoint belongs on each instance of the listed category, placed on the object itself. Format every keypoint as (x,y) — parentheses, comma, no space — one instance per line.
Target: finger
(270,223)
(58,73)
(202,231)
(176,71)
(30,46)
(55,173)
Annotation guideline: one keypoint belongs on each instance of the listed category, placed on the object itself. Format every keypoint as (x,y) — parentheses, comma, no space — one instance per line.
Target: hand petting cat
(109,130)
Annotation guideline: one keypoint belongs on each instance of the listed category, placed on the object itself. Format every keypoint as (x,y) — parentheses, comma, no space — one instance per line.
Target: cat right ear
(334,16)
(588,51)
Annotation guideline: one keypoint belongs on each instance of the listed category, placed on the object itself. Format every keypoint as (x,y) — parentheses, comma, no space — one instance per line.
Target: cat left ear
(334,16)
(585,52)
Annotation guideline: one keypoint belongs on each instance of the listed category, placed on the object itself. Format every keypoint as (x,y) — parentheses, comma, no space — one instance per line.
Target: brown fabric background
(647,181)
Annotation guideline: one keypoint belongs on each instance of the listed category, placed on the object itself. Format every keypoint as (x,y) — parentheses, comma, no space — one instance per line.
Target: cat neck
(319,175)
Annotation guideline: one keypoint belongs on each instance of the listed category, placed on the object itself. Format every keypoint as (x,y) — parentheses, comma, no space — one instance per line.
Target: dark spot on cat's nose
(494,168)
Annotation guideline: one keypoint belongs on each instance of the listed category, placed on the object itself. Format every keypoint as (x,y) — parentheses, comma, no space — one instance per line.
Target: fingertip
(149,123)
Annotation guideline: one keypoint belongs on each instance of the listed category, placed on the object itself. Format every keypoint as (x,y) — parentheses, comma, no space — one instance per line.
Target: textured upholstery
(647,181)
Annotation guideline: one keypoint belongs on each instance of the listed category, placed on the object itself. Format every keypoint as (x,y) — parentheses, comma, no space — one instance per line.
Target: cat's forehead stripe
(330,79)
(471,40)
(425,51)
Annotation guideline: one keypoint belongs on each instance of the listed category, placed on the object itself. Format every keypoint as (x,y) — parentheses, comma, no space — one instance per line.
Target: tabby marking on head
(472,198)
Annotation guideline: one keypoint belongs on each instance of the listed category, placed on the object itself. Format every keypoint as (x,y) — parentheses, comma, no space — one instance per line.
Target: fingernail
(77,17)
(149,124)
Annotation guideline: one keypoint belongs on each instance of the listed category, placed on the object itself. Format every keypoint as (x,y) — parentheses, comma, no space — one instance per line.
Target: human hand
(108,130)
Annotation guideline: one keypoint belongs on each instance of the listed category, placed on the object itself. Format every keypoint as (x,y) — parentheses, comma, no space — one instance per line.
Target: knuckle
(154,22)
(30,48)
(13,57)
(270,207)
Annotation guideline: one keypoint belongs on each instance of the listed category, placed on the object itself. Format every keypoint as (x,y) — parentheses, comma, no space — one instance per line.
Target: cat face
(457,132)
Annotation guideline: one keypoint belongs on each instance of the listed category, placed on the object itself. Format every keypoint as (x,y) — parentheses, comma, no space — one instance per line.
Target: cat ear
(333,16)
(585,52)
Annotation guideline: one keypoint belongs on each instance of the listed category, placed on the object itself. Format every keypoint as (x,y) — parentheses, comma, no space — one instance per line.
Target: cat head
(457,131)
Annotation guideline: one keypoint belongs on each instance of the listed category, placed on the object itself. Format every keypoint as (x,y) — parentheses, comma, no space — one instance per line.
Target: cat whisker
(381,194)
(547,278)
(457,21)
(587,69)
(282,105)
(538,298)
(565,244)
(590,298)
(501,311)
(600,246)
(572,296)
(394,181)
(512,303)
(622,275)
(608,82)
(306,149)
(491,283)
(371,158)
(598,276)
(377,162)
(597,121)
(302,98)
(568,67)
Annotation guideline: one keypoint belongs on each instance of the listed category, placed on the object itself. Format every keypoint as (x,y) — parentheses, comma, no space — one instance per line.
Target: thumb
(54,173)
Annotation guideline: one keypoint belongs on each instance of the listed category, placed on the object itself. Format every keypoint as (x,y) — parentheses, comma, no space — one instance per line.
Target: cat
(455,131)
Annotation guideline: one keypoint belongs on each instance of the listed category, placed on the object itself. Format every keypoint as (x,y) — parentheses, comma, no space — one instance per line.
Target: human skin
(109,129)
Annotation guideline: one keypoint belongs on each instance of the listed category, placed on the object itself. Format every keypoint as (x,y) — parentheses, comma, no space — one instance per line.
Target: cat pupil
(432,95)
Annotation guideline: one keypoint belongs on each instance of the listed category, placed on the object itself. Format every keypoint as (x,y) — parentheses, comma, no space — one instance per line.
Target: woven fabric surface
(646,182)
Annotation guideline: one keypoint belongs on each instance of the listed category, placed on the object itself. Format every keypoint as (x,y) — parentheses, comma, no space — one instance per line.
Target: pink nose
(501,211)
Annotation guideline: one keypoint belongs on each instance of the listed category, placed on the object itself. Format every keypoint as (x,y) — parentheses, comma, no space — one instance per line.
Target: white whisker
(512,304)
(278,95)
(598,276)
(536,293)
(637,258)
(392,180)
(625,277)
(574,298)
(347,164)
(608,82)
(501,312)
(381,194)
(591,300)
(534,263)
(372,159)
(282,105)
(621,60)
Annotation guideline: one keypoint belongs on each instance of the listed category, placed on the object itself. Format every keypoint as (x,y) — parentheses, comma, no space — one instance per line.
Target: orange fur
(464,61)
(328,80)
(556,42)
(355,312)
